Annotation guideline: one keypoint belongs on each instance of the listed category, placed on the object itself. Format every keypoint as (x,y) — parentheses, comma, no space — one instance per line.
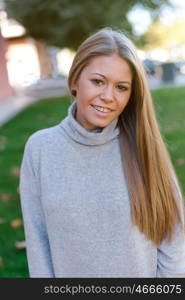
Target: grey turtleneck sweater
(76,209)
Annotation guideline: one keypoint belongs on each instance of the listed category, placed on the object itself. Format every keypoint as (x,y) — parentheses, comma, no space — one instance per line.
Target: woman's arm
(37,244)
(171,256)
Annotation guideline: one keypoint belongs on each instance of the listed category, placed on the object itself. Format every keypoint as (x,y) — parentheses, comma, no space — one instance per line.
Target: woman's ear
(73,89)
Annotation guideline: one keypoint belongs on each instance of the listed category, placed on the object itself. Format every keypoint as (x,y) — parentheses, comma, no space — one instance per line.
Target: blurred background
(38,40)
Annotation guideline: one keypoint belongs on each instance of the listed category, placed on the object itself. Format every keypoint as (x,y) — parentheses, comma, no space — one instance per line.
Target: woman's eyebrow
(121,81)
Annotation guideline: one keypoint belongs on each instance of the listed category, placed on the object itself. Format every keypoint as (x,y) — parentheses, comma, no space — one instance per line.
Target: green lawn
(170,107)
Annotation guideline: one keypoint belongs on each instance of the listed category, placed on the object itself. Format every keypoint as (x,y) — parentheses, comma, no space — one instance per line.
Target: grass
(170,106)
(13,135)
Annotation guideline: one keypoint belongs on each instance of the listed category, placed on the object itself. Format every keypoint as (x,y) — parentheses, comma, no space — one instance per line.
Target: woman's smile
(100,111)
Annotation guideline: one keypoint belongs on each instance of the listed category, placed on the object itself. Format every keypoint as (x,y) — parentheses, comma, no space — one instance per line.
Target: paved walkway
(24,97)
(11,106)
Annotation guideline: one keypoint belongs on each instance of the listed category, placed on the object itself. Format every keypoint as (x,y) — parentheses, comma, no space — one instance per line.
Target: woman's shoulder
(42,136)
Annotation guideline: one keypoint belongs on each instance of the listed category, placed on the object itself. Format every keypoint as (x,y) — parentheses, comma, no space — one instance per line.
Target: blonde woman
(99,194)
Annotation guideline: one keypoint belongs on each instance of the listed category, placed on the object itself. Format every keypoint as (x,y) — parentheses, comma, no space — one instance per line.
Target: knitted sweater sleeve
(37,243)
(171,256)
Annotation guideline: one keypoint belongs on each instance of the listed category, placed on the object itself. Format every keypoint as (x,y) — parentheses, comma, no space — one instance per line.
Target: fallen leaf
(3,141)
(2,147)
(15,171)
(2,220)
(5,197)
(20,245)
(1,262)
(16,223)
(180,161)
(40,116)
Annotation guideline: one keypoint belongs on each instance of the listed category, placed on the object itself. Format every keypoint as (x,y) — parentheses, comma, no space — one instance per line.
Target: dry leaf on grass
(16,223)
(5,197)
(2,220)
(180,161)
(40,116)
(3,141)
(1,262)
(20,245)
(15,171)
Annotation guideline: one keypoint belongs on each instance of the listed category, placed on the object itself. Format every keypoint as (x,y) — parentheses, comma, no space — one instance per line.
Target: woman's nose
(107,94)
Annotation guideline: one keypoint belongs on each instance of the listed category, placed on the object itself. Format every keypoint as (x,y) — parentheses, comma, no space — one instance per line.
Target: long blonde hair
(155,194)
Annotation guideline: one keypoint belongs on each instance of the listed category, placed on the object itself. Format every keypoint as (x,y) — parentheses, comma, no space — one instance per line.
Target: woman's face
(103,90)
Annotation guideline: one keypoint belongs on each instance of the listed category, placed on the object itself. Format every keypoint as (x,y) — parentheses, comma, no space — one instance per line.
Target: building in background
(5,88)
(25,60)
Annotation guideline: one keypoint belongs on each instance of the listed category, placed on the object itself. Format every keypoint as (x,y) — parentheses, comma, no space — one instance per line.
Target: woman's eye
(97,81)
(122,88)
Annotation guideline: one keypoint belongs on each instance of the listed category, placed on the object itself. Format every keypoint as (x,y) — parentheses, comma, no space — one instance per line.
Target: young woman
(99,194)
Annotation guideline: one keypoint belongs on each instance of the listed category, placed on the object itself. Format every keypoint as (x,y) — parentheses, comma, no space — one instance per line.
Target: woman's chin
(100,124)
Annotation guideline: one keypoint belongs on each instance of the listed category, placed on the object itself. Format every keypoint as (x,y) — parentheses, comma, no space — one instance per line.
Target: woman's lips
(100,113)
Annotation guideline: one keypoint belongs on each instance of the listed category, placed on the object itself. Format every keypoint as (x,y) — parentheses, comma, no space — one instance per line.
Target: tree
(166,36)
(66,23)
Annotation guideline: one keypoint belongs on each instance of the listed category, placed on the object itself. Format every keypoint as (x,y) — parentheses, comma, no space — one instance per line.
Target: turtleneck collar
(83,136)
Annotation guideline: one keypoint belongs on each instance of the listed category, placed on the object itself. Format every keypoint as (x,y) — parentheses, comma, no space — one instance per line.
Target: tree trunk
(45,62)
